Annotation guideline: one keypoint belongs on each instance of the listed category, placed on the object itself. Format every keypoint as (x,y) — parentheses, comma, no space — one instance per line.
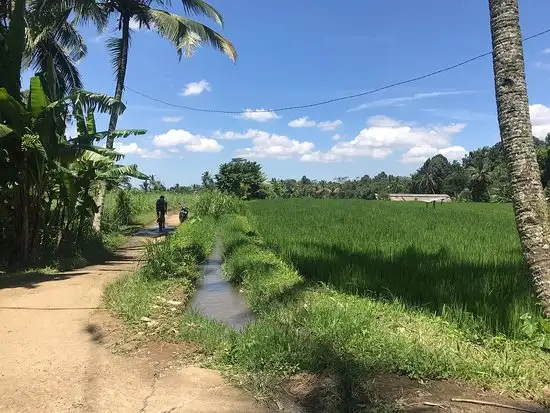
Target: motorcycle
(184,213)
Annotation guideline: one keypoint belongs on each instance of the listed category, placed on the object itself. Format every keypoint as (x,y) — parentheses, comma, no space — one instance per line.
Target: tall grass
(460,261)
(217,204)
(348,333)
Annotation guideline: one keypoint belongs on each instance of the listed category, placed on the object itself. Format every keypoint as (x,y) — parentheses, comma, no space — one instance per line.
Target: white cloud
(349,149)
(172,119)
(134,149)
(329,125)
(322,157)
(232,136)
(546,51)
(275,146)
(419,154)
(259,115)
(384,135)
(196,88)
(134,24)
(304,122)
(542,65)
(540,119)
(453,153)
(336,137)
(204,145)
(399,101)
(191,143)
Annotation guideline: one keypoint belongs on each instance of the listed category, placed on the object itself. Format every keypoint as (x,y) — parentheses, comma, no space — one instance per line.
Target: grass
(350,299)
(170,268)
(460,261)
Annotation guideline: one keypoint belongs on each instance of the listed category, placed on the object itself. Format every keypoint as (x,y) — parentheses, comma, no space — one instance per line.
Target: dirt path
(52,358)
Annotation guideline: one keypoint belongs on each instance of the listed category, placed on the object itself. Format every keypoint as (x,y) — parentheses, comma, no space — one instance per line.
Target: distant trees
(151,183)
(481,176)
(207,180)
(530,206)
(241,178)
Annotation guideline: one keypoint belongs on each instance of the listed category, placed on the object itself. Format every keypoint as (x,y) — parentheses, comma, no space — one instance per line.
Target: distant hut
(420,197)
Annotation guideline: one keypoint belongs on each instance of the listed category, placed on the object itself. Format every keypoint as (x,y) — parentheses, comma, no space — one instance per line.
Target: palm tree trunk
(530,206)
(121,76)
(16,47)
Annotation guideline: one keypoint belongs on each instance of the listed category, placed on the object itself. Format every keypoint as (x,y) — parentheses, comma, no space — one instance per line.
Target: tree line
(481,176)
(52,186)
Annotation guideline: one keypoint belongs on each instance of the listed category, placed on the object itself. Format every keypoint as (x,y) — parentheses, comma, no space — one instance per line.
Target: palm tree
(33,36)
(49,37)
(184,33)
(531,210)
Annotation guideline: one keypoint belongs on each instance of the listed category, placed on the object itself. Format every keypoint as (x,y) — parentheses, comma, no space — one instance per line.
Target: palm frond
(5,131)
(38,100)
(202,8)
(124,170)
(85,11)
(66,74)
(119,133)
(187,35)
(71,40)
(115,46)
(105,152)
(99,102)
(93,156)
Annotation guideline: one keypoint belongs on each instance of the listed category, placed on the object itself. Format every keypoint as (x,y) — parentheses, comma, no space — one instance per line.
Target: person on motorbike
(184,213)
(162,207)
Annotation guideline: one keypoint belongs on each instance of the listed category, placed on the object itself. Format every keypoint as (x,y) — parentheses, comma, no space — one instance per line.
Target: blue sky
(296,52)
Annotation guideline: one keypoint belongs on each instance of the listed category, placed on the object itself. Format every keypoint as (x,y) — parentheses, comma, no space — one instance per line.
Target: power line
(338,99)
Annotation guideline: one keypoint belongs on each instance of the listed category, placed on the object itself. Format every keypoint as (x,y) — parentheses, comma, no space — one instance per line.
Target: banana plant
(41,158)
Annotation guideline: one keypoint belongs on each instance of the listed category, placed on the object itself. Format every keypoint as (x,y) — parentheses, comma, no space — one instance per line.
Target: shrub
(123,208)
(217,204)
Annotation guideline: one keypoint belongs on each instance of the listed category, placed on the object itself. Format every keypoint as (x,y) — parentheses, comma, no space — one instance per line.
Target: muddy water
(217,299)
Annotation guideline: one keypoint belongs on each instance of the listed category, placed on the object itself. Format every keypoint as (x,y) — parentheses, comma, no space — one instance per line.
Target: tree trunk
(530,206)
(121,75)
(16,46)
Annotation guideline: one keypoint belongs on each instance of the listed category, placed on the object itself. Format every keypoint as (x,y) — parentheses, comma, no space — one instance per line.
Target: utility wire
(338,99)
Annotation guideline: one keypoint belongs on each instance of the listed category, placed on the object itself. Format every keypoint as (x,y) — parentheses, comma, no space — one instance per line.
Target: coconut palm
(531,210)
(184,33)
(32,36)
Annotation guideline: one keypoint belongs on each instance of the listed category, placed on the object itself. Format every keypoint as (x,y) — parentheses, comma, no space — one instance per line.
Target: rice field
(460,261)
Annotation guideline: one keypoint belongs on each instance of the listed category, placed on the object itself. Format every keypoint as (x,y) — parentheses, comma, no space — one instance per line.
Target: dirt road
(52,358)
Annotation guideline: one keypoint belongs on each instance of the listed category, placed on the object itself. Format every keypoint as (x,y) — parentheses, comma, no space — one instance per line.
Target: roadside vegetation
(170,269)
(404,290)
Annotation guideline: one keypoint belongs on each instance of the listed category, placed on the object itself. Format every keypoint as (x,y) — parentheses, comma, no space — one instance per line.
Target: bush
(123,208)
(217,204)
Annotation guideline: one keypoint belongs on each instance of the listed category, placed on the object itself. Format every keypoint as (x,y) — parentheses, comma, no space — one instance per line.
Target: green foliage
(49,180)
(440,259)
(123,208)
(168,264)
(241,178)
(430,178)
(340,329)
(216,204)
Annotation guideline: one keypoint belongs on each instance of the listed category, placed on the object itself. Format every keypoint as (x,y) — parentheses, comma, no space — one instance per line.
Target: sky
(298,52)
